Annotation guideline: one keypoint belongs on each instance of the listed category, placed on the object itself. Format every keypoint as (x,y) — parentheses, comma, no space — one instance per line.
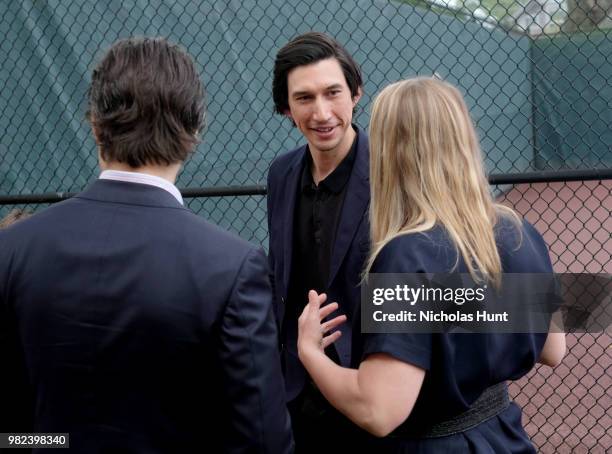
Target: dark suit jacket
(144,328)
(348,255)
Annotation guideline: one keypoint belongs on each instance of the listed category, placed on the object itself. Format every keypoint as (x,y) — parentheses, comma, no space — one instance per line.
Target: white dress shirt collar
(142,178)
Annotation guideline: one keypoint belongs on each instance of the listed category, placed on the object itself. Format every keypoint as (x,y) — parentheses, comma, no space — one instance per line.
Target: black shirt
(317,212)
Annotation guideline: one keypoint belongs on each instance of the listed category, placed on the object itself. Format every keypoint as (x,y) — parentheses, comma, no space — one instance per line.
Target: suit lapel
(355,204)
(288,213)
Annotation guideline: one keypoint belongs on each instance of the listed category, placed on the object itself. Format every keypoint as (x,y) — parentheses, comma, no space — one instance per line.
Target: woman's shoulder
(521,247)
(427,251)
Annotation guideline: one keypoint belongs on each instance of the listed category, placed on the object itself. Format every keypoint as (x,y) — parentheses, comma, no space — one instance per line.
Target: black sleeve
(401,255)
(16,397)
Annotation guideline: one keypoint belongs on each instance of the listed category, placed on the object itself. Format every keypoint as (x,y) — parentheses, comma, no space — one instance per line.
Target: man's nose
(322,110)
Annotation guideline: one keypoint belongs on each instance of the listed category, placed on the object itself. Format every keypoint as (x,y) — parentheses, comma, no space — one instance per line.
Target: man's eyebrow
(297,94)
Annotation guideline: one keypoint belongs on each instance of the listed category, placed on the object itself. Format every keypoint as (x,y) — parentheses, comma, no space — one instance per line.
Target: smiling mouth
(324,130)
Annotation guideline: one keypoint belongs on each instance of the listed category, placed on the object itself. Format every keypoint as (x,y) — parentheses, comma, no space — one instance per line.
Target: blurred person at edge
(13,216)
(318,196)
(431,211)
(143,328)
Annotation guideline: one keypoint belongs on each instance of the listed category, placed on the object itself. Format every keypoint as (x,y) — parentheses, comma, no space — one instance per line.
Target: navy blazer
(349,252)
(143,328)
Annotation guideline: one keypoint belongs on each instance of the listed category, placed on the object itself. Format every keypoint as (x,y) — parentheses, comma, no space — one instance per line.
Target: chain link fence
(537,76)
(568,409)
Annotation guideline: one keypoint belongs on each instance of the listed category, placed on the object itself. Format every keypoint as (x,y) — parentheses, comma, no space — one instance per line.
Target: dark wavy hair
(146,103)
(307,49)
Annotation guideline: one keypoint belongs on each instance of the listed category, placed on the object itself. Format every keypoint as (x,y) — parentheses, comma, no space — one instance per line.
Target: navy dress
(459,366)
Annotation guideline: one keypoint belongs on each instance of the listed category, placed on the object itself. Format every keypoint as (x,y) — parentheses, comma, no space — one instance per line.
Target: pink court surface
(569,409)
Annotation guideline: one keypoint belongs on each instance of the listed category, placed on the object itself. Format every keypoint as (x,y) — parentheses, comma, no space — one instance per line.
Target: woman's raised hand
(312,334)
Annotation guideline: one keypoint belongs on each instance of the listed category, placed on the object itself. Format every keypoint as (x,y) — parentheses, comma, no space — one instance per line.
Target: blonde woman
(431,211)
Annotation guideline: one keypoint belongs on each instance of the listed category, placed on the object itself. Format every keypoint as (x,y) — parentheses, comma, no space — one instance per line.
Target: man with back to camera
(318,196)
(143,328)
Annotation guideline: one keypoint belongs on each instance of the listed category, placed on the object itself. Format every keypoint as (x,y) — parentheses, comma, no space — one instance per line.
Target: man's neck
(168,173)
(325,162)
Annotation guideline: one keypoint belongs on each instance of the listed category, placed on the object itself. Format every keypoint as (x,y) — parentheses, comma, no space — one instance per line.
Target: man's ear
(101,162)
(95,133)
(357,97)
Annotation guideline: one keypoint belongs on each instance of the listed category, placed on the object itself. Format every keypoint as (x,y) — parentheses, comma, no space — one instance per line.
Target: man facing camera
(318,196)
(143,328)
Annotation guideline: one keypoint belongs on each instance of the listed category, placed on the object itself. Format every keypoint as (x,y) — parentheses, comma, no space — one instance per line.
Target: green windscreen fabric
(50,48)
(573,101)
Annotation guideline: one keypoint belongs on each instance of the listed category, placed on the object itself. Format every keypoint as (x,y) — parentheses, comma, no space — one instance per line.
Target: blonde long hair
(426,168)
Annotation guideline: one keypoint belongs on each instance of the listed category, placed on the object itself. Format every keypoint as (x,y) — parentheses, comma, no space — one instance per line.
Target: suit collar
(128,193)
(143,178)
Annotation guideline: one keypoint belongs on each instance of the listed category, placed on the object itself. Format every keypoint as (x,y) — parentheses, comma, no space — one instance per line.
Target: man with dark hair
(143,327)
(318,196)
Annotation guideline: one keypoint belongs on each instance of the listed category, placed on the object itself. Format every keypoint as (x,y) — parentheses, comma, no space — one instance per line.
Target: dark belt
(491,402)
